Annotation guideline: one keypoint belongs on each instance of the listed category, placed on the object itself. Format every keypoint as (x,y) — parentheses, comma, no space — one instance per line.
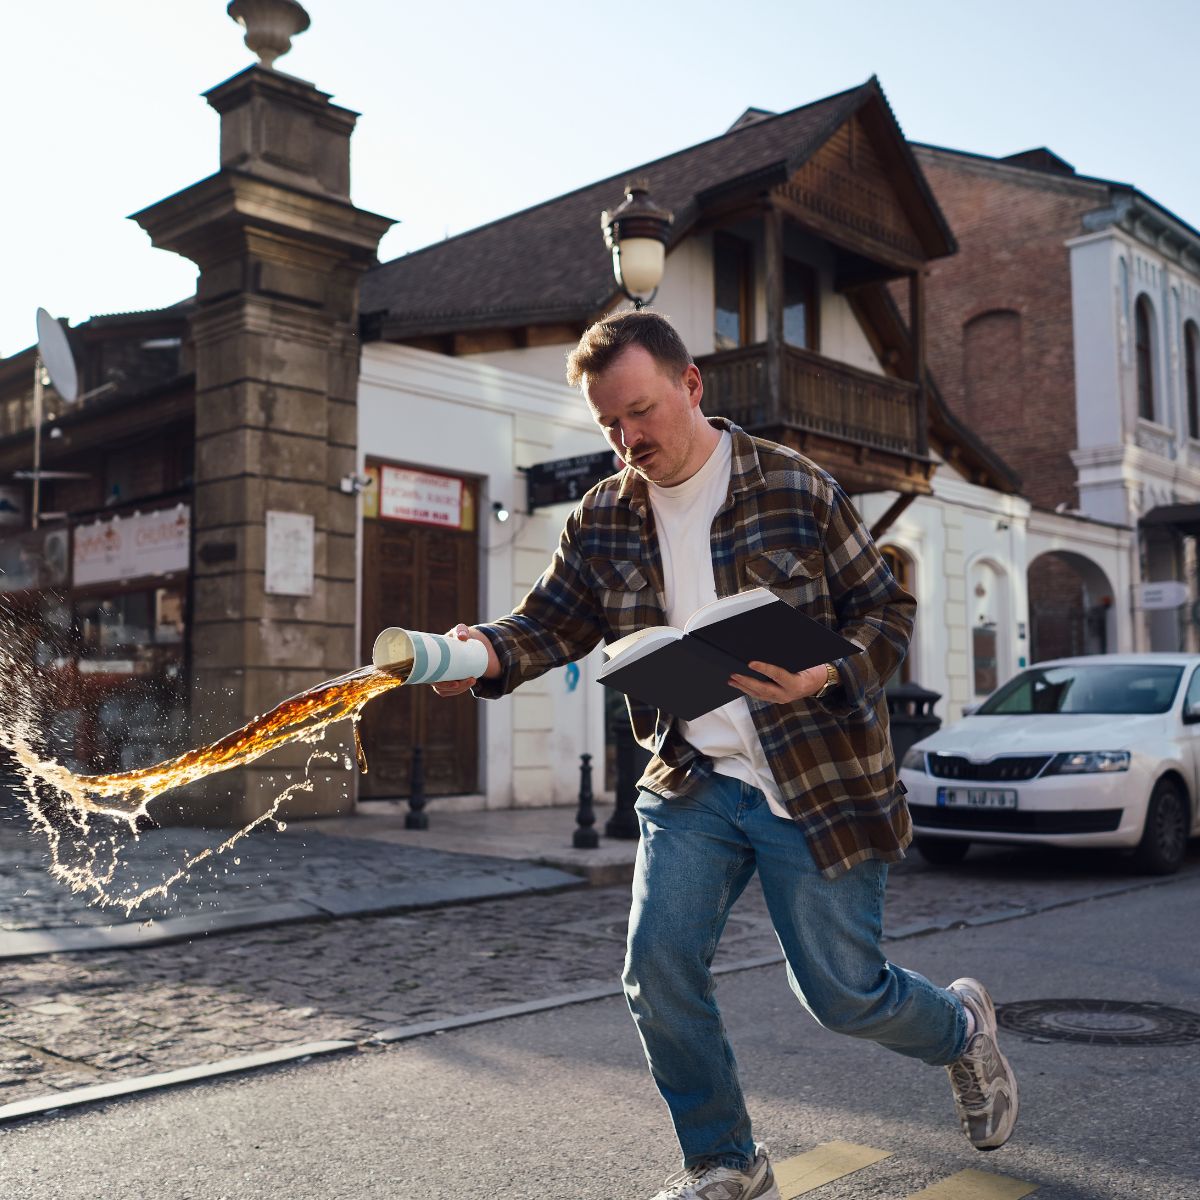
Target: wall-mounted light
(353,484)
(500,512)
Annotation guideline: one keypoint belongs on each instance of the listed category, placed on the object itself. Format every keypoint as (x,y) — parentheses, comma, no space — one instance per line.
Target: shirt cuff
(848,695)
(494,689)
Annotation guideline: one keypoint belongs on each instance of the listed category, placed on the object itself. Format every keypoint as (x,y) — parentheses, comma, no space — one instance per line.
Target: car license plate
(976,797)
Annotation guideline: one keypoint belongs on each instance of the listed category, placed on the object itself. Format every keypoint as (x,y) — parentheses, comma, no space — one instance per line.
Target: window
(1124,690)
(1191,350)
(732,292)
(1144,348)
(799,305)
(1193,692)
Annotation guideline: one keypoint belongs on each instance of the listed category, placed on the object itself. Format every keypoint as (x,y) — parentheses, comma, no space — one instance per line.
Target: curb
(359,902)
(46,1105)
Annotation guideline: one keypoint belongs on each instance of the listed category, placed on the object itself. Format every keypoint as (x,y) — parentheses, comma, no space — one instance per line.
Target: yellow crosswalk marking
(822,1165)
(975,1185)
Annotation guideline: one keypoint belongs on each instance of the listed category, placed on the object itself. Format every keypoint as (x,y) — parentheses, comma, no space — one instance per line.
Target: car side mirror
(968,709)
(1191,713)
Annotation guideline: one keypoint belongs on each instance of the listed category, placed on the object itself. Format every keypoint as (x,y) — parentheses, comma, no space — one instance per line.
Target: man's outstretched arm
(557,622)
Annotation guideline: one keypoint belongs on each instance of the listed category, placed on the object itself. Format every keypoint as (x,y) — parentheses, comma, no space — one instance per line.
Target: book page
(637,645)
(729,606)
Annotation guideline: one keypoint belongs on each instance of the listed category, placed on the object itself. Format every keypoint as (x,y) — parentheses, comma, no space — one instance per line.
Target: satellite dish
(57,357)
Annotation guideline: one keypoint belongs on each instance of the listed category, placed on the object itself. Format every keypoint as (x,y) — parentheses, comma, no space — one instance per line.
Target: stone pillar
(280,249)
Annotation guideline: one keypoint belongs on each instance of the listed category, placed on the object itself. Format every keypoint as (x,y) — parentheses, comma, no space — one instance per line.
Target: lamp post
(636,232)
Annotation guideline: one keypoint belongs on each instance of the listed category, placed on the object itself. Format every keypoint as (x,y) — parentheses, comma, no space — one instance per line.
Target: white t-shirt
(684,515)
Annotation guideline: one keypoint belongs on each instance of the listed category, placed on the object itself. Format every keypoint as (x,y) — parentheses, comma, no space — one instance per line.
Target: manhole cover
(1101,1022)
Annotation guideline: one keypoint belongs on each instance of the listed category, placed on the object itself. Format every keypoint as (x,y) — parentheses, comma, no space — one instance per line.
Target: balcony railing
(817,394)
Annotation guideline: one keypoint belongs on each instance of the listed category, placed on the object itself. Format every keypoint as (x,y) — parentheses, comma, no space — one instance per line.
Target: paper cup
(435,658)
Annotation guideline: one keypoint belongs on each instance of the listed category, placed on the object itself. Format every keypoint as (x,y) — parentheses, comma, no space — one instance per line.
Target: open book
(684,671)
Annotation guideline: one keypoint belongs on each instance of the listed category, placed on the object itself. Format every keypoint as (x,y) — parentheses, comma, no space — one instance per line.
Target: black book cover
(687,677)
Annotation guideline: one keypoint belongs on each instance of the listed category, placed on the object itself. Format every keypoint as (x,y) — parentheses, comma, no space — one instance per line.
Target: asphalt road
(560,1103)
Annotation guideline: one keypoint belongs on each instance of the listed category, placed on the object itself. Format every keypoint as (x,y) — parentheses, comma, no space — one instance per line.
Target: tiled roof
(548,263)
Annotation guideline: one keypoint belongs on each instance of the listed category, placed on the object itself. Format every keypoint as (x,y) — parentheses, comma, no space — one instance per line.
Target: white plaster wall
(686,294)
(964,529)
(1126,465)
(542,362)
(457,414)
(842,337)
(1099,326)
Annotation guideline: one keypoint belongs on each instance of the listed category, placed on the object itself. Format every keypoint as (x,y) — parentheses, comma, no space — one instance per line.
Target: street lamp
(636,232)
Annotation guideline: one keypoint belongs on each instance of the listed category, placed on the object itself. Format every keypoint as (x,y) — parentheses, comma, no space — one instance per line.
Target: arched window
(901,567)
(1143,317)
(1191,351)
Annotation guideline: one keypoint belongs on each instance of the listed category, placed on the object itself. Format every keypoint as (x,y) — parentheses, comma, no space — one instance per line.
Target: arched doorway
(989,615)
(1070,607)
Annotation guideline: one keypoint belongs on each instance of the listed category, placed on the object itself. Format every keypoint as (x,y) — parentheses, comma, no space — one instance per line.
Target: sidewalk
(366,864)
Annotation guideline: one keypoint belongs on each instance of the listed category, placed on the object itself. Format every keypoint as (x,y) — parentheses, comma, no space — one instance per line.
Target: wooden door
(422,578)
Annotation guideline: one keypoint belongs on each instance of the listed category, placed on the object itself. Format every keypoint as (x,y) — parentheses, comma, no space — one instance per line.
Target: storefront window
(130,668)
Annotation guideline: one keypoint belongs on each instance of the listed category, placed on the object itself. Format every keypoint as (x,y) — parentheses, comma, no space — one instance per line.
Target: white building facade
(1135,279)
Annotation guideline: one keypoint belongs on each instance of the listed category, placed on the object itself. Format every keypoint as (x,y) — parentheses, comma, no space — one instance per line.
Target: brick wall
(999,313)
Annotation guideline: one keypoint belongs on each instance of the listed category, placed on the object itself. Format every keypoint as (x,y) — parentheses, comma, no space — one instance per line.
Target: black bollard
(624,823)
(586,837)
(417,817)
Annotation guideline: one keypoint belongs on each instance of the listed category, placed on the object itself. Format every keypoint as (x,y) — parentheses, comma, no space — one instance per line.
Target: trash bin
(910,709)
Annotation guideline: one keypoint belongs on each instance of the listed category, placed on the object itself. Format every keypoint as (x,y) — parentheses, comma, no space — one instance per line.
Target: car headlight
(914,760)
(1088,762)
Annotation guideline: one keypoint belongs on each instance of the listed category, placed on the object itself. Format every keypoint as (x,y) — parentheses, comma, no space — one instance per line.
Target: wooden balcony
(867,430)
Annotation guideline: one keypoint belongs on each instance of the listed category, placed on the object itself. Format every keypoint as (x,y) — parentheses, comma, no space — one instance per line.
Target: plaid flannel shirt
(788,526)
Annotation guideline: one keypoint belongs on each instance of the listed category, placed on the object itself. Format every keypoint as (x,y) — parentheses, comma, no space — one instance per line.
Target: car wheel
(942,852)
(1164,836)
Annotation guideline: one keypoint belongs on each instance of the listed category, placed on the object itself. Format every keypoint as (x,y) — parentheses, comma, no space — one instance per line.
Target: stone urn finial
(270,25)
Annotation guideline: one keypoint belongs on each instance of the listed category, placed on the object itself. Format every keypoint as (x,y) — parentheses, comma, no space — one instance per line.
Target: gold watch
(832,679)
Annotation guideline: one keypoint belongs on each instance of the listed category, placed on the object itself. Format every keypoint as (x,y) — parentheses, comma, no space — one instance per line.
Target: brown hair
(604,341)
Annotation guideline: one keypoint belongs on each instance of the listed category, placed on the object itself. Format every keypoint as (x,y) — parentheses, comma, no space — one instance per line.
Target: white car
(1097,751)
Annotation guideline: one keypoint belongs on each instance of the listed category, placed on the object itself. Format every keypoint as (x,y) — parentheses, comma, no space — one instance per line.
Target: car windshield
(1095,688)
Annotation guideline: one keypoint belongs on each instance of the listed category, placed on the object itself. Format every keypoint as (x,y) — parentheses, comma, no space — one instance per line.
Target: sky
(473,110)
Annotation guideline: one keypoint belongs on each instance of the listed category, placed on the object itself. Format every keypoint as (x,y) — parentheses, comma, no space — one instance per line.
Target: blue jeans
(696,856)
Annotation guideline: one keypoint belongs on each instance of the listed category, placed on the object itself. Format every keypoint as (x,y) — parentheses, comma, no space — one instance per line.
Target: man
(797,779)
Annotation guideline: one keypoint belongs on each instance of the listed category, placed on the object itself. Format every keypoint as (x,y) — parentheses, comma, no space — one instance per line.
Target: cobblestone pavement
(77,1019)
(265,867)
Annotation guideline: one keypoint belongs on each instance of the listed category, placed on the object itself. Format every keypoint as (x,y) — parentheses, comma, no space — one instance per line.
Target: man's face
(650,417)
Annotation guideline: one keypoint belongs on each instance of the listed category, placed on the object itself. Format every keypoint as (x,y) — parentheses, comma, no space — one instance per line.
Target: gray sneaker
(985,1088)
(711,1182)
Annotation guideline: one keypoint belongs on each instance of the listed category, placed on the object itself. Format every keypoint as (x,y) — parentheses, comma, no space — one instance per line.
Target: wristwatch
(832,679)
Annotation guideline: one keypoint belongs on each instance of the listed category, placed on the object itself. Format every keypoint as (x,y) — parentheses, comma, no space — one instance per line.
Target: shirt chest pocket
(797,577)
(624,594)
